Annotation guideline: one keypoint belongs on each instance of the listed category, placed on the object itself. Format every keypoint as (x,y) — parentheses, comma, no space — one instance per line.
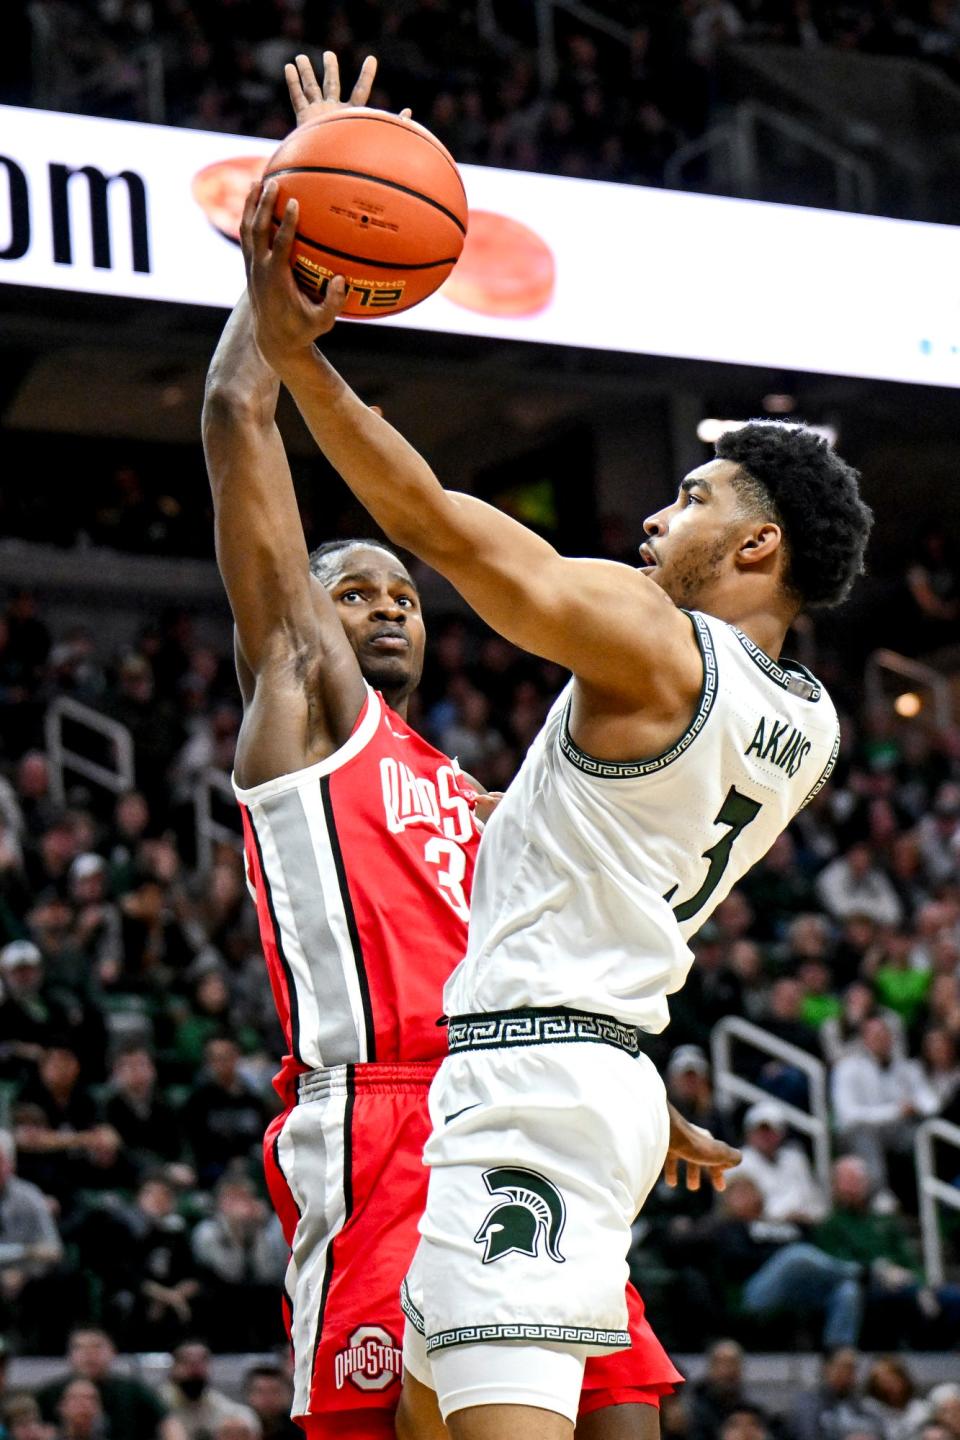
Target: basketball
(381,203)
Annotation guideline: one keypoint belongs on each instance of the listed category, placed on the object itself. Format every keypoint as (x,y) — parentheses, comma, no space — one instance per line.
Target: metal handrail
(855,185)
(117,781)
(719,135)
(730,1086)
(210,832)
(931,1189)
(914,671)
(545,11)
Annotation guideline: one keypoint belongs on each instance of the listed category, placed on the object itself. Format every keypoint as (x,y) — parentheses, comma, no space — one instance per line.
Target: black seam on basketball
(430,140)
(376,179)
(364,259)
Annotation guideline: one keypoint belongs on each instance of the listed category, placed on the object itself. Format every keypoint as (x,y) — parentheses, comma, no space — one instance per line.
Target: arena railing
(730,1087)
(66,710)
(736,139)
(912,672)
(932,1189)
(209,830)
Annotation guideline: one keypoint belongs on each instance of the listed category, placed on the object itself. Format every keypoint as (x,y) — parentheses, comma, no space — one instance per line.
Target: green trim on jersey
(797,679)
(636,769)
(553,1334)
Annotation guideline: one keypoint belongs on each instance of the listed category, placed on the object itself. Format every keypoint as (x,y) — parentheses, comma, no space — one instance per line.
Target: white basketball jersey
(593,874)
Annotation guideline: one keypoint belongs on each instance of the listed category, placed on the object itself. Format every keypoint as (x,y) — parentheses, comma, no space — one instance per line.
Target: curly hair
(790,475)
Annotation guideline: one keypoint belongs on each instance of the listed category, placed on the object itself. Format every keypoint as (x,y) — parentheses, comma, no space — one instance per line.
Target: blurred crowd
(137,1037)
(621,104)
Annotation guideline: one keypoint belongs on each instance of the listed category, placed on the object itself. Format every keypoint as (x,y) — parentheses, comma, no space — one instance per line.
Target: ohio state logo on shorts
(372,1360)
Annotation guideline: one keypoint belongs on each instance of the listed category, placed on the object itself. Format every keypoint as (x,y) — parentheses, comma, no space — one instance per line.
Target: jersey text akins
(780,743)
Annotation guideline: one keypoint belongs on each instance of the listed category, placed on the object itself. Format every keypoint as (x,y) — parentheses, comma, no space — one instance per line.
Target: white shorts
(540,1158)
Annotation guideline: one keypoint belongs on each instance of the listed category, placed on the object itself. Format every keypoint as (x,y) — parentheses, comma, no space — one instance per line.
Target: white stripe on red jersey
(360,867)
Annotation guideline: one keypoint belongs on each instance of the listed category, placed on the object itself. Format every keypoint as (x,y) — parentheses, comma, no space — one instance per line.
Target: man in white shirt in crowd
(853,885)
(878,1100)
(779,1168)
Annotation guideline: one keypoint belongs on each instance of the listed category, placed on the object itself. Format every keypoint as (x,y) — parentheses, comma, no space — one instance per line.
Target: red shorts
(346,1179)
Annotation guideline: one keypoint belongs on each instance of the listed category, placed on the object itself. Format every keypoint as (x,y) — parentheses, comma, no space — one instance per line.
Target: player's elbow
(228,401)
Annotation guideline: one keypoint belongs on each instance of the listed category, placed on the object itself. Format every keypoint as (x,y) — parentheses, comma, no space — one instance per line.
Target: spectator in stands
(35,1013)
(841,1033)
(689,1088)
(224,1117)
(131,819)
(784,1019)
(133,1410)
(779,1271)
(941,1063)
(148,1126)
(779,1168)
(719,1394)
(242,1256)
(33,792)
(899,1304)
(198,1406)
(891,1395)
(779,891)
(269,1393)
(854,884)
(939,835)
(746,1423)
(30,1245)
(80,1413)
(878,1100)
(152,721)
(155,1285)
(898,984)
(834,1408)
(238,1427)
(944,1400)
(820,999)
(96,925)
(21,1416)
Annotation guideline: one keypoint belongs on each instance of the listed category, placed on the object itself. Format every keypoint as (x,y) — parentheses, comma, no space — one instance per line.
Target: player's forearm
(240,384)
(385,473)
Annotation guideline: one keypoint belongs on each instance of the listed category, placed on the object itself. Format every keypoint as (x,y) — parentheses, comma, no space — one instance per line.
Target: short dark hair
(265,1371)
(321,559)
(791,475)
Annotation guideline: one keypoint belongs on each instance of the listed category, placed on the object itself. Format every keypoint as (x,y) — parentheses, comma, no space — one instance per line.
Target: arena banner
(114,208)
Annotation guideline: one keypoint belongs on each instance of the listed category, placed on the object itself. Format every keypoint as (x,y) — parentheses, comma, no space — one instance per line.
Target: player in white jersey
(680,750)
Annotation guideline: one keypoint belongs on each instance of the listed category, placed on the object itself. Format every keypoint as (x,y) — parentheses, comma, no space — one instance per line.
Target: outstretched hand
(286,320)
(311,100)
(700,1151)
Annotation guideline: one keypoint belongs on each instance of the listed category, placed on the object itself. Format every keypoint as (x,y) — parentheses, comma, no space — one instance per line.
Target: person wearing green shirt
(897,1294)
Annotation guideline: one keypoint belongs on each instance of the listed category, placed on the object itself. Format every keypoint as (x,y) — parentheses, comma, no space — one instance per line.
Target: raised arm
(259,539)
(287,629)
(606,622)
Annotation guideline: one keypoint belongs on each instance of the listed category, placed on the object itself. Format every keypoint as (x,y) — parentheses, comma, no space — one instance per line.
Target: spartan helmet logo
(532,1206)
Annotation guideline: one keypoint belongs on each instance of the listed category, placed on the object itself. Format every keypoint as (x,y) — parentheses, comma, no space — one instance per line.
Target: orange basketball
(381,203)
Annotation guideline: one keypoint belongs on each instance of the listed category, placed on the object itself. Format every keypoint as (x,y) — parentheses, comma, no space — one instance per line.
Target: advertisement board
(115,208)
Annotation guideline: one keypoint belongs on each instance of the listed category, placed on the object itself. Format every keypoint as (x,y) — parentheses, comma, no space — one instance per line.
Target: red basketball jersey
(360,867)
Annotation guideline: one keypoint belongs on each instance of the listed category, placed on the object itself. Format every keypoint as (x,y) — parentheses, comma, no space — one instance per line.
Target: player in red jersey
(360,840)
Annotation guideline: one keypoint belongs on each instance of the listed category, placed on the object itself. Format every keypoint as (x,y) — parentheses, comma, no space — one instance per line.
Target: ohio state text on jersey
(360,866)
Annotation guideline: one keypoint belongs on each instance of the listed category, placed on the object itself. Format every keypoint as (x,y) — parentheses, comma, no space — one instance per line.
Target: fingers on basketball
(368,72)
(331,76)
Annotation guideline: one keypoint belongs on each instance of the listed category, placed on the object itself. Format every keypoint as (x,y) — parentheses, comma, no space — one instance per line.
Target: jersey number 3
(451,866)
(736,812)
